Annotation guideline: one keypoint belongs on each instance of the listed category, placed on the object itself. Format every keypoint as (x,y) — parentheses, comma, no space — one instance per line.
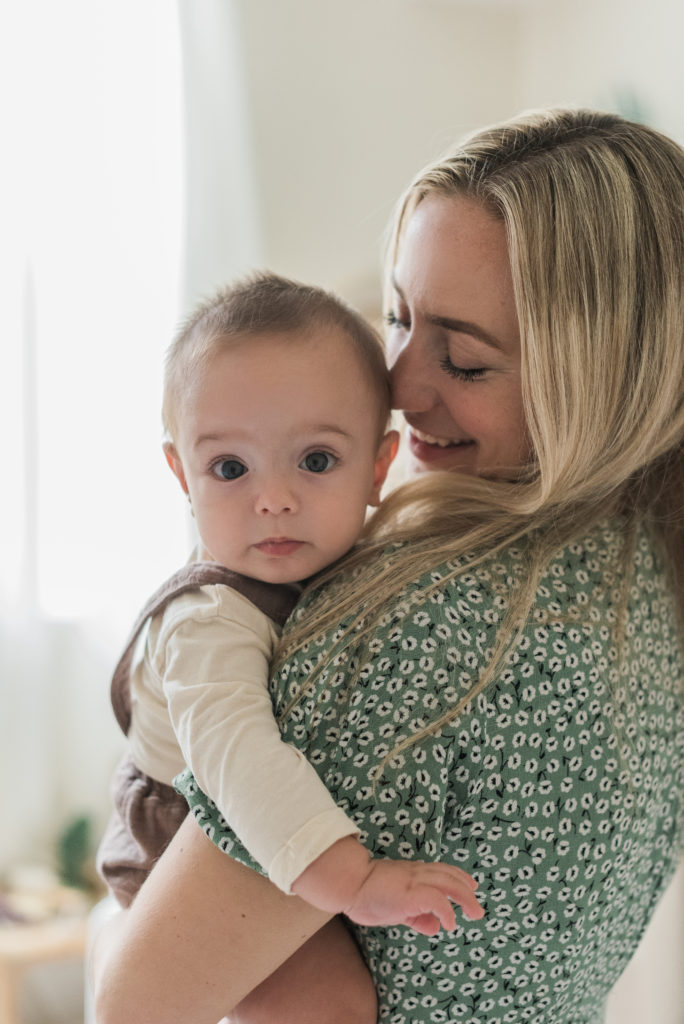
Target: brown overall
(147,813)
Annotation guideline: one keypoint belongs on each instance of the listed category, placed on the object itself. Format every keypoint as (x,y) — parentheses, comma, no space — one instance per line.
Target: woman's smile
(439,453)
(441,442)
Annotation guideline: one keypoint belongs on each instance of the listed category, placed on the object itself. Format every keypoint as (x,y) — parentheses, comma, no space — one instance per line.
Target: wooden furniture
(23,946)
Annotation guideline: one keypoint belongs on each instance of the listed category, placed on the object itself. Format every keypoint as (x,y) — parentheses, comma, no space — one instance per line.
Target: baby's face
(278,449)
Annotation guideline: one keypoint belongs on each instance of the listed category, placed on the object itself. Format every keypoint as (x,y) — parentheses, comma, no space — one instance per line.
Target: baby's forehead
(264,350)
(322,338)
(312,333)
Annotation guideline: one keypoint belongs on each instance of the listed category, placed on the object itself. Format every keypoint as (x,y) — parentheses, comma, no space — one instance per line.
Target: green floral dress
(559,788)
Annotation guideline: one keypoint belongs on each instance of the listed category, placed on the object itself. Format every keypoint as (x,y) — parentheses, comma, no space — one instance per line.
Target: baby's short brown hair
(259,304)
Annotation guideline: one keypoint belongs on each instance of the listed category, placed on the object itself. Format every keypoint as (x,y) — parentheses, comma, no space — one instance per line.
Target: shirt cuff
(306,845)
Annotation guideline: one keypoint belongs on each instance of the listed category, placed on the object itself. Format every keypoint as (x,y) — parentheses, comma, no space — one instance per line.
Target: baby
(276,406)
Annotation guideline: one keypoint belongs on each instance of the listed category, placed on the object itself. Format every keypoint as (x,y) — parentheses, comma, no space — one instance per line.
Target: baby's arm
(370,891)
(215,677)
(272,797)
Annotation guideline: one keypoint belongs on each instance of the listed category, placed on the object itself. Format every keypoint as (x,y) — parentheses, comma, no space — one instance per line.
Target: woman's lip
(441,442)
(429,448)
(279,546)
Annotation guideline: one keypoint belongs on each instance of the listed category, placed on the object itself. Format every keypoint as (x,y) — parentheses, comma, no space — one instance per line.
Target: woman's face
(454,343)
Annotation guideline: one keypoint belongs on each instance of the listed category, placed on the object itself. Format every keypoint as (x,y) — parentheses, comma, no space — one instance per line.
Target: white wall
(608,54)
(222,234)
(345,103)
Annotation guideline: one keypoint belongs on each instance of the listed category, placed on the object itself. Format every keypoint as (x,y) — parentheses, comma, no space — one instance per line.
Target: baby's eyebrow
(205,438)
(325,428)
(316,429)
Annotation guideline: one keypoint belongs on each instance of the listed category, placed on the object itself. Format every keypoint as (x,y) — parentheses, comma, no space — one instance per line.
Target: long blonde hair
(593,207)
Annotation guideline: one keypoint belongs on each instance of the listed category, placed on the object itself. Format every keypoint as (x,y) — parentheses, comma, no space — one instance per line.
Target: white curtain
(91,215)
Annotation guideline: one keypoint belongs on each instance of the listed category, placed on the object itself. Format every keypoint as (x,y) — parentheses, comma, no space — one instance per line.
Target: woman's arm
(203,932)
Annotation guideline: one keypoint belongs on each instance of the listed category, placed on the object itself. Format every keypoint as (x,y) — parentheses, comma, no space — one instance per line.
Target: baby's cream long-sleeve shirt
(200,698)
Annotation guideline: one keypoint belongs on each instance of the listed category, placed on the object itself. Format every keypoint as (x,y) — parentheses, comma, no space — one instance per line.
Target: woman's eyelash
(392,320)
(460,372)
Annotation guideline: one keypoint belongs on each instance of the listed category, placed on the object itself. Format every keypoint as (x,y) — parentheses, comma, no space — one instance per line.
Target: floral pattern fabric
(559,787)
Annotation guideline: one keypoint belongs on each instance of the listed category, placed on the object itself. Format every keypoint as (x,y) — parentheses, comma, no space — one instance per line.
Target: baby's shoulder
(207,608)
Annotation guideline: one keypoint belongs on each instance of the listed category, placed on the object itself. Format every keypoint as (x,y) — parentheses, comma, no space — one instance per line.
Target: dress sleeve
(215,680)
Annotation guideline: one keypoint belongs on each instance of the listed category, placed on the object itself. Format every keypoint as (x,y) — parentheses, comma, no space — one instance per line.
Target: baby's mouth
(279,546)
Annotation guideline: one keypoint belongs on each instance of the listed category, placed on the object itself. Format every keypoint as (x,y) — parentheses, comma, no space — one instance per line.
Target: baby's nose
(275,499)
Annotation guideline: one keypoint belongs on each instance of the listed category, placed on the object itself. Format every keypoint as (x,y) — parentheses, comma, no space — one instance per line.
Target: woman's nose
(410,376)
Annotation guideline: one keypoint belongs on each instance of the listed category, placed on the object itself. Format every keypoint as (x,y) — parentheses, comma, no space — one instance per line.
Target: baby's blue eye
(228,469)
(318,462)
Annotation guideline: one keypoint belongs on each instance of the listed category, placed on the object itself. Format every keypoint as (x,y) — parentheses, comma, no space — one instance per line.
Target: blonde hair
(265,303)
(593,207)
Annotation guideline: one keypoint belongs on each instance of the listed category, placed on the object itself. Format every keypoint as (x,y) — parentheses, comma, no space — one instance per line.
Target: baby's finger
(466,899)
(429,902)
(444,911)
(456,874)
(425,924)
(460,890)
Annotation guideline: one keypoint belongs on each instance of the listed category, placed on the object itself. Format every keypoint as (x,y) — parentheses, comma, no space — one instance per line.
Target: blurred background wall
(153,151)
(343,103)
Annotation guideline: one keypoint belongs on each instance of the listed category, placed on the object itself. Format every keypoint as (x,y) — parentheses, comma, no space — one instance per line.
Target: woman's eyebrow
(466,327)
(458,326)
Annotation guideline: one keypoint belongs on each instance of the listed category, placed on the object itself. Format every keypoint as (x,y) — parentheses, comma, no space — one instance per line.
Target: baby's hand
(414,893)
(345,880)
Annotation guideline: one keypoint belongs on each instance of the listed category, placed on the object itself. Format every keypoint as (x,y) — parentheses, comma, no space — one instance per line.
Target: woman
(509,695)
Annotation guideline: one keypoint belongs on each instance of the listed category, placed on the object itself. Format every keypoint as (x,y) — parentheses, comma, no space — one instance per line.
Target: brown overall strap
(276,600)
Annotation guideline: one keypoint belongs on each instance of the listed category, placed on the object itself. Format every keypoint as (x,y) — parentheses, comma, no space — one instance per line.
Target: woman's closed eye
(318,462)
(461,372)
(228,469)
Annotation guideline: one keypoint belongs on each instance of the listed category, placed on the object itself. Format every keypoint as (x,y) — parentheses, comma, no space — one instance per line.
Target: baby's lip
(278,545)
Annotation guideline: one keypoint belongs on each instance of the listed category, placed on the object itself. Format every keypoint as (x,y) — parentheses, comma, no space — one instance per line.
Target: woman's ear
(173,459)
(383,460)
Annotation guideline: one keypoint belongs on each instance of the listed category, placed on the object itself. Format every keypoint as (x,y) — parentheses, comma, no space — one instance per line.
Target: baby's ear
(383,460)
(173,459)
